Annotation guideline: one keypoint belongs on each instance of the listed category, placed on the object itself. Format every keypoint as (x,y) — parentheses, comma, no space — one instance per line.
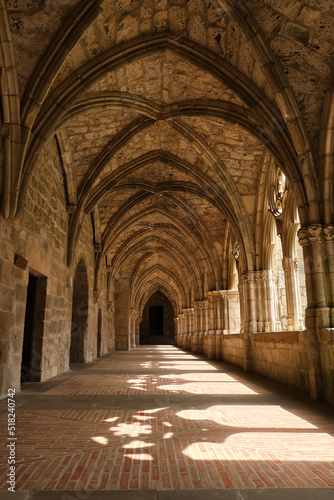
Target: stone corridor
(158,419)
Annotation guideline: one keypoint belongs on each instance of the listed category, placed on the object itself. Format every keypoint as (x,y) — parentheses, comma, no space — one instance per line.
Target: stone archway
(79,314)
(157,326)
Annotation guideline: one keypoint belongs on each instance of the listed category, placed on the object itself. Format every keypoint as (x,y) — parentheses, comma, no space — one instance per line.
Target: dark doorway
(79,314)
(156,320)
(99,325)
(33,329)
(157,325)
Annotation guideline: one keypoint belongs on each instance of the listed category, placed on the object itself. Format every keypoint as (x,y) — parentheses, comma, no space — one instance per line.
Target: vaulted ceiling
(165,114)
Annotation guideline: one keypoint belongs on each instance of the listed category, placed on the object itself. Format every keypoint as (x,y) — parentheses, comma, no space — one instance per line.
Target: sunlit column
(329,256)
(139,320)
(219,331)
(194,337)
(318,312)
(211,347)
(205,326)
(292,295)
(200,305)
(185,329)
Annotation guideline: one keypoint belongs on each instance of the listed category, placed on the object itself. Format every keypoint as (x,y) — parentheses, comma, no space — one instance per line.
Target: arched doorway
(157,326)
(79,314)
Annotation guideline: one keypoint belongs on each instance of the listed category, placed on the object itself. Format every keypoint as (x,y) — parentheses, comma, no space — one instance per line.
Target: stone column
(242,308)
(291,287)
(250,315)
(195,334)
(191,327)
(329,257)
(177,327)
(205,325)
(248,280)
(219,331)
(200,306)
(185,329)
(179,330)
(211,347)
(137,333)
(121,315)
(132,327)
(318,313)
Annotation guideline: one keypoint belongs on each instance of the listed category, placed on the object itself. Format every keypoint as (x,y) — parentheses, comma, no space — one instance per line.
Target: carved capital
(248,277)
(71,209)
(216,297)
(315,233)
(98,248)
(285,263)
(303,236)
(96,295)
(329,232)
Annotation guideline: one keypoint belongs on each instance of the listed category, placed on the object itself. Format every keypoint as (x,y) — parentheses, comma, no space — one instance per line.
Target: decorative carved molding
(315,233)
(285,263)
(96,295)
(236,251)
(248,277)
(329,232)
(277,194)
(302,234)
(71,208)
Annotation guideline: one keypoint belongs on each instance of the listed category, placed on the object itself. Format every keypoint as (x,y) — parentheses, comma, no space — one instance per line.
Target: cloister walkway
(157,419)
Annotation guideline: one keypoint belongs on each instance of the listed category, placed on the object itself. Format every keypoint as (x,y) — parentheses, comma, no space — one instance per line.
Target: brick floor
(159,418)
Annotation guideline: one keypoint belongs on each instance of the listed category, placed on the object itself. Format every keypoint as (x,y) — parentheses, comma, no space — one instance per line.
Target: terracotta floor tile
(165,419)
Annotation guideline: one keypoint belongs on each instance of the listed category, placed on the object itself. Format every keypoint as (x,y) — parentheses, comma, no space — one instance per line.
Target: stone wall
(281,356)
(326,341)
(39,235)
(233,349)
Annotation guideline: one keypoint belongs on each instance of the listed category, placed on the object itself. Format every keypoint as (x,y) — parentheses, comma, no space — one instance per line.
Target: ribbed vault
(165,116)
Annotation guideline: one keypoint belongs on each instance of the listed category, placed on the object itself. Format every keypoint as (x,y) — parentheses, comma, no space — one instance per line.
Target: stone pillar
(329,259)
(205,326)
(190,327)
(292,294)
(225,315)
(242,307)
(132,328)
(318,314)
(195,334)
(181,330)
(177,330)
(137,332)
(185,329)
(211,331)
(121,315)
(219,331)
(200,306)
(248,281)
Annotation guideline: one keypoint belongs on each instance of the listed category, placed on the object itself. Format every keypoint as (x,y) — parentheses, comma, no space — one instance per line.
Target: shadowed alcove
(79,314)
